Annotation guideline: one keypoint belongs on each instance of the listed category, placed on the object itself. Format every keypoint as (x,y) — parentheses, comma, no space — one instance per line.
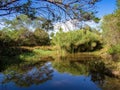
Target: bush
(77,41)
(115,49)
(42,37)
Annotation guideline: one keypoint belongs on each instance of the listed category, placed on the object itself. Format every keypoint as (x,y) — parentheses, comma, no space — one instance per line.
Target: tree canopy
(111,28)
(23,21)
(49,9)
(118,4)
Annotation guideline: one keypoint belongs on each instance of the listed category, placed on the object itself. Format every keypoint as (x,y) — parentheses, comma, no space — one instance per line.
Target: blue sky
(105,7)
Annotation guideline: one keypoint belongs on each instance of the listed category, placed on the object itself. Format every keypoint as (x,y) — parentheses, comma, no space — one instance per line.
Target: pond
(57,75)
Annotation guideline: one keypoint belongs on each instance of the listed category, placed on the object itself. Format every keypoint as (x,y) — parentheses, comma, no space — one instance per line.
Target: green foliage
(118,4)
(23,21)
(74,68)
(111,28)
(77,41)
(114,49)
(6,38)
(23,37)
(18,32)
(95,19)
(42,37)
(42,52)
(47,25)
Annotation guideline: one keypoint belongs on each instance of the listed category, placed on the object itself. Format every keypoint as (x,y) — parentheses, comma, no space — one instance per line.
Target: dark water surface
(57,75)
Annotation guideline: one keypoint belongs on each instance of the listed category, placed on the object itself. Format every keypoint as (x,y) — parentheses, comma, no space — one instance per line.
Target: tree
(49,9)
(77,41)
(111,28)
(25,37)
(42,37)
(118,4)
(24,31)
(23,21)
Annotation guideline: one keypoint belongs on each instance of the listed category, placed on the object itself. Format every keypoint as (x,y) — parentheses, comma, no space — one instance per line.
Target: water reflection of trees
(34,75)
(73,68)
(95,69)
(102,76)
(27,74)
(10,56)
(111,84)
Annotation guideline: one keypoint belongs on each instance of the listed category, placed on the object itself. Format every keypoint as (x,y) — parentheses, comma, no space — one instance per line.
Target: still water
(57,75)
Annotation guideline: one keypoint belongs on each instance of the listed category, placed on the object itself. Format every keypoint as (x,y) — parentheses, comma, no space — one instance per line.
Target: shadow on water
(9,56)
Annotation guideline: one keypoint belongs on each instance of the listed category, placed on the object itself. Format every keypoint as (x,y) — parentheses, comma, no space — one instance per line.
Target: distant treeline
(23,37)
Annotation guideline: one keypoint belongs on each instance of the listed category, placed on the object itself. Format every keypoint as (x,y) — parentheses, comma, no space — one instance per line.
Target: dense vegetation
(111,31)
(84,40)
(23,37)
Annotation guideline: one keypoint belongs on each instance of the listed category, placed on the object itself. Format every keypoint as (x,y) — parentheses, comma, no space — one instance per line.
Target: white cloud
(66,26)
(2,25)
(92,24)
(74,24)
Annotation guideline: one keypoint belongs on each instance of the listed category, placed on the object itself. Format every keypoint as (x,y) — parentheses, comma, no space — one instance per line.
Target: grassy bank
(38,54)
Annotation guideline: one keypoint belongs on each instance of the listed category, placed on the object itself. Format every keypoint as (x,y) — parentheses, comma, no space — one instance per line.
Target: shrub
(42,37)
(115,49)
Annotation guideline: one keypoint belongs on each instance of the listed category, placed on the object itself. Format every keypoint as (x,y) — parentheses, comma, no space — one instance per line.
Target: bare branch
(66,9)
(8,3)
